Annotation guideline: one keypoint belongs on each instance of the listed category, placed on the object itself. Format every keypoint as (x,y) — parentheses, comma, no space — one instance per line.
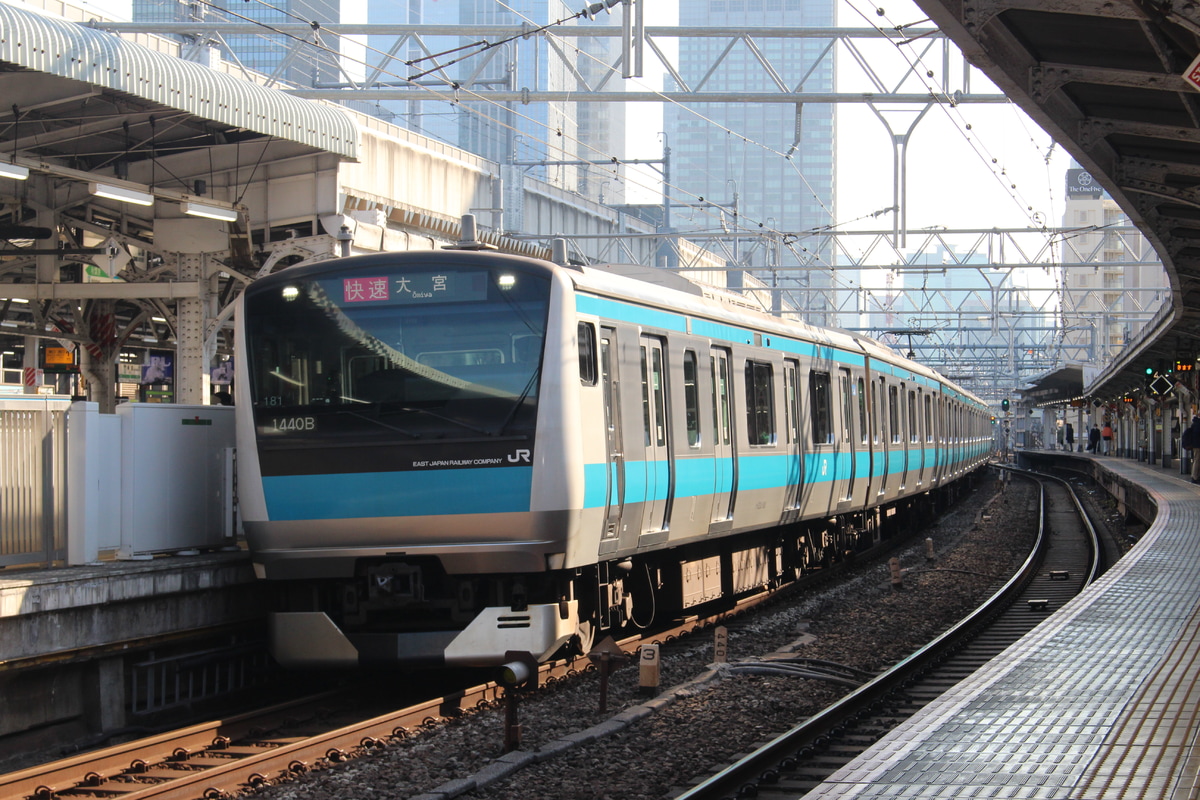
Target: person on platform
(1106,435)
(1094,439)
(1191,443)
(1070,438)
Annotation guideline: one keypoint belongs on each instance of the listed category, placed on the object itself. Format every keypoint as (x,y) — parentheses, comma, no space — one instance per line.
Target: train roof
(660,288)
(646,285)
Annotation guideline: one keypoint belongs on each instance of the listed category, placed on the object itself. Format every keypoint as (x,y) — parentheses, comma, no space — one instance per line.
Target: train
(455,458)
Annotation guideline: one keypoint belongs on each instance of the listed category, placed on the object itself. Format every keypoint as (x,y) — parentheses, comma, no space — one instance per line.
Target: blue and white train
(453,457)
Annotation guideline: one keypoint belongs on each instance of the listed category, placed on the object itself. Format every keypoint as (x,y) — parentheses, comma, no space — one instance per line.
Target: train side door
(919,435)
(904,401)
(894,441)
(794,488)
(913,461)
(822,475)
(659,482)
(863,443)
(612,427)
(848,458)
(724,442)
(881,434)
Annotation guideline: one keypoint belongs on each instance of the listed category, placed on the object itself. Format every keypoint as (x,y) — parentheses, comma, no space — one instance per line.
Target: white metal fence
(33,460)
(77,486)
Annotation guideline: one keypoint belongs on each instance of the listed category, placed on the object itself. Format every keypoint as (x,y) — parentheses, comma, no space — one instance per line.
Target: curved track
(225,757)
(1064,561)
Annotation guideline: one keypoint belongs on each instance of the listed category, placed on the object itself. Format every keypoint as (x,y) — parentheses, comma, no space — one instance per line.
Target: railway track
(1063,562)
(223,758)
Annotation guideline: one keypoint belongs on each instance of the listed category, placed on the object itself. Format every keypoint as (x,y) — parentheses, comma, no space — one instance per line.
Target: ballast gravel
(649,747)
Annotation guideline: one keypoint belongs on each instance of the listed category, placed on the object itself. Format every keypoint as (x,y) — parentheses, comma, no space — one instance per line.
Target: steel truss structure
(984,306)
(989,307)
(396,75)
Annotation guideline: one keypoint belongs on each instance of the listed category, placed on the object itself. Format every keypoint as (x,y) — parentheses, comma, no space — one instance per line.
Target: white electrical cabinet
(174,477)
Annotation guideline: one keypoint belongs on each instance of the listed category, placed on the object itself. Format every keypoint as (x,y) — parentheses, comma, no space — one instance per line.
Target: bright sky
(952,178)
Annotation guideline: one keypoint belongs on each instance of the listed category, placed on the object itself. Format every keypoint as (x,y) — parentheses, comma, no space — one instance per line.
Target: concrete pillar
(104,694)
(191,368)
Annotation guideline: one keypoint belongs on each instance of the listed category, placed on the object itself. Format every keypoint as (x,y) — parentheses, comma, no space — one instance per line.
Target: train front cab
(403,527)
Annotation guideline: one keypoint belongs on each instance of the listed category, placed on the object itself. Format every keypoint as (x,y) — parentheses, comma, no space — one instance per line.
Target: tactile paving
(1099,702)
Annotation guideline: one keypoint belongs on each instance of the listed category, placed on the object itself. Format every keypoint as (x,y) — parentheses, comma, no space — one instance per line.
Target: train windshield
(413,353)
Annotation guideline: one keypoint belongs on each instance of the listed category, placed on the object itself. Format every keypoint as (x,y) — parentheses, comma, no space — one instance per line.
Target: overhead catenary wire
(950,108)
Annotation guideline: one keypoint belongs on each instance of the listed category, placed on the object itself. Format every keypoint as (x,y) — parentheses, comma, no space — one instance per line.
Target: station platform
(47,613)
(1099,702)
(71,637)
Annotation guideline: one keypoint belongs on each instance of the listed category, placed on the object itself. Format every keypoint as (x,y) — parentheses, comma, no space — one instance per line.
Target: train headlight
(290,293)
(506,282)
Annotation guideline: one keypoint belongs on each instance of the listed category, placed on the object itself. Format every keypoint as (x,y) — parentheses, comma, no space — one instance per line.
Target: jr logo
(519,456)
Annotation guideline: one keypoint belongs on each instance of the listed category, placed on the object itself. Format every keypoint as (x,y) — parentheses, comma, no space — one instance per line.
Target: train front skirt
(311,640)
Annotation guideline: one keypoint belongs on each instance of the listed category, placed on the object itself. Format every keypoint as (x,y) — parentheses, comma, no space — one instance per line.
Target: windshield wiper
(512,412)
(435,415)
(380,423)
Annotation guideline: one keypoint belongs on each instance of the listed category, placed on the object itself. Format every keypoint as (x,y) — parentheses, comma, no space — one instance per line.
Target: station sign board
(58,360)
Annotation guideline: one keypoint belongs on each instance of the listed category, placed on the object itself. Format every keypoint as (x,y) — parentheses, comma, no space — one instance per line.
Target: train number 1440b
(293,423)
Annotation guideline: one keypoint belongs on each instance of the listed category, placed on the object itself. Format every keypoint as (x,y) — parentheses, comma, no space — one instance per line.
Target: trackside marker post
(648,668)
(720,645)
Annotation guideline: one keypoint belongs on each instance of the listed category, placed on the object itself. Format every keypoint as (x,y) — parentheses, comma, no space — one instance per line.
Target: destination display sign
(412,288)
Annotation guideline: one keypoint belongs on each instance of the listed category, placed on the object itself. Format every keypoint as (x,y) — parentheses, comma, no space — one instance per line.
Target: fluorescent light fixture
(209,212)
(121,193)
(14,171)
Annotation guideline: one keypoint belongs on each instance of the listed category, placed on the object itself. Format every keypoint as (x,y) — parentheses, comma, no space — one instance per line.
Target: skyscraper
(720,151)
(1108,302)
(529,134)
(258,49)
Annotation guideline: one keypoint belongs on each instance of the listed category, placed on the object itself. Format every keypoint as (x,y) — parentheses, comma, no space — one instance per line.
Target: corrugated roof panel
(58,47)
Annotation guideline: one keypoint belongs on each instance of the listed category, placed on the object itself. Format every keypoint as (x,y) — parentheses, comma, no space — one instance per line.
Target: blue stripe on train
(398,494)
(696,476)
(507,489)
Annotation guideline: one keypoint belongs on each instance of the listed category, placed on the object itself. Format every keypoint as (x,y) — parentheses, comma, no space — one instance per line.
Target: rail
(732,780)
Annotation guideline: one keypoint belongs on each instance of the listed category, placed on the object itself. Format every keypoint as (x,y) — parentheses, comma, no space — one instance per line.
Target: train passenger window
(587,354)
(822,407)
(894,413)
(913,433)
(645,396)
(720,388)
(862,411)
(691,398)
(760,398)
(606,347)
(791,410)
(847,406)
(660,396)
(876,399)
(928,418)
